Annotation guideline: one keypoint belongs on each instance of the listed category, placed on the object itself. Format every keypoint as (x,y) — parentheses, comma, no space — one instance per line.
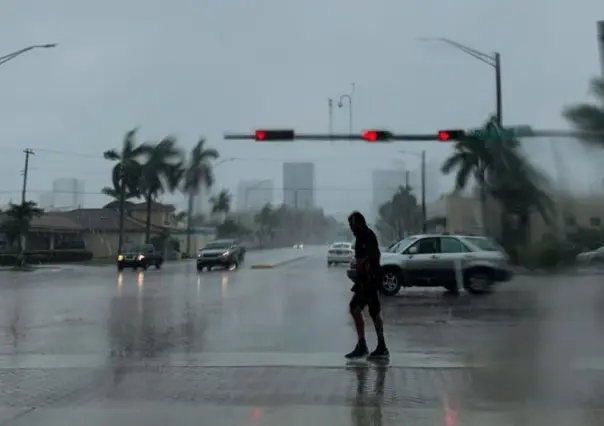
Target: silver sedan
(340,253)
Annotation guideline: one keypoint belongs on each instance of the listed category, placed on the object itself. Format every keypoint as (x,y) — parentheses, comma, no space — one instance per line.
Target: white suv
(449,261)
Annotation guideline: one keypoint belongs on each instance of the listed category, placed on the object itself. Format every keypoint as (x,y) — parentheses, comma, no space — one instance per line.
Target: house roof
(55,221)
(154,207)
(51,221)
(105,220)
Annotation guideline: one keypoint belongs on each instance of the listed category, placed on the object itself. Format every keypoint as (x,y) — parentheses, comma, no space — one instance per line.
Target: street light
(253,187)
(493,60)
(4,59)
(422,156)
(341,105)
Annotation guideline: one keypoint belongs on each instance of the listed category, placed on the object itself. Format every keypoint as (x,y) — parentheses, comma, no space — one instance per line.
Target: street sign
(492,132)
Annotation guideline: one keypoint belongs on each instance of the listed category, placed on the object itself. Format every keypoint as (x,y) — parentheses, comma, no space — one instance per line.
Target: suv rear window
(484,244)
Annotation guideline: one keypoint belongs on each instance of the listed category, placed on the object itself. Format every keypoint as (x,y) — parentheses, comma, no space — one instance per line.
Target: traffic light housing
(376,136)
(450,135)
(274,135)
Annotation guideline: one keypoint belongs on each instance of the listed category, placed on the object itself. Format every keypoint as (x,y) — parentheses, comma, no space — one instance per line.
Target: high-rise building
(384,184)
(299,185)
(67,193)
(254,194)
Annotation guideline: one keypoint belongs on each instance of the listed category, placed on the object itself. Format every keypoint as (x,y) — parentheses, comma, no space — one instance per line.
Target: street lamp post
(251,188)
(341,105)
(422,156)
(493,60)
(4,59)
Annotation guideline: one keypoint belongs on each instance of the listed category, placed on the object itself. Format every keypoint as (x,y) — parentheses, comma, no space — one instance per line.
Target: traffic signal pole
(424,212)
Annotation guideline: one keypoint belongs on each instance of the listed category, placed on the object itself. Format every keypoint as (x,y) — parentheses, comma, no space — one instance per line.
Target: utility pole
(407,180)
(296,199)
(27,152)
(498,94)
(424,213)
(330,106)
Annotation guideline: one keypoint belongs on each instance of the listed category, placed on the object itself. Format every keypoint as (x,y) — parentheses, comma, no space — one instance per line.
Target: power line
(319,188)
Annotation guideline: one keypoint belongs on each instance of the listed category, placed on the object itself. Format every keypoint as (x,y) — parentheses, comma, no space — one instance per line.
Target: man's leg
(375,311)
(356,310)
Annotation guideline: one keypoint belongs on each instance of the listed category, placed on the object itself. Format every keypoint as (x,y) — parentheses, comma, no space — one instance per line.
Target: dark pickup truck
(139,257)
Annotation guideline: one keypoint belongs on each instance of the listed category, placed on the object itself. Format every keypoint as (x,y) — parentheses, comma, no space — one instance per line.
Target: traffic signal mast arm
(437,136)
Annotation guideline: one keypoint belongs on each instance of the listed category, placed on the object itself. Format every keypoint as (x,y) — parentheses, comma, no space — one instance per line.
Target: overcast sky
(193,68)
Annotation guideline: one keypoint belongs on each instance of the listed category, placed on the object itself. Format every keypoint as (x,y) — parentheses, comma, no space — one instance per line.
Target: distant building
(253,194)
(46,200)
(299,185)
(67,194)
(384,184)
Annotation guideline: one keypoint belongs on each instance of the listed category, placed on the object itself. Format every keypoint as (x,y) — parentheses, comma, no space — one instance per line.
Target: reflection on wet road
(272,339)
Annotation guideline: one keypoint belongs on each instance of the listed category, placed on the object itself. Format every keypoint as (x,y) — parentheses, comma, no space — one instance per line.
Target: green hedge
(47,256)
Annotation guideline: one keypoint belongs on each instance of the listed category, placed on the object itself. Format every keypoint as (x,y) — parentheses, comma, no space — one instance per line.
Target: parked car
(139,257)
(223,253)
(594,257)
(340,252)
(449,261)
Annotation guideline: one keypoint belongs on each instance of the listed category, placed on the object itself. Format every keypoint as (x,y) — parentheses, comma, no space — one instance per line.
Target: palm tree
(198,174)
(590,117)
(221,203)
(125,175)
(19,222)
(161,172)
(472,158)
(502,171)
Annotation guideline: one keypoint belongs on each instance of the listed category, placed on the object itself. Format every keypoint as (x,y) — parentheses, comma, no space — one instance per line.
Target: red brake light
(260,135)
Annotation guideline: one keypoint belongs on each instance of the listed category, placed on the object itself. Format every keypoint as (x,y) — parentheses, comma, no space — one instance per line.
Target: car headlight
(141,257)
(120,258)
(226,253)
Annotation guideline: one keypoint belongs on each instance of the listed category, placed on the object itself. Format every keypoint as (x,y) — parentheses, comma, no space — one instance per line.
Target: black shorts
(366,298)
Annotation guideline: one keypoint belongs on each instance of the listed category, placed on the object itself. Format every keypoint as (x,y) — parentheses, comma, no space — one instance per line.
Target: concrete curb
(274,265)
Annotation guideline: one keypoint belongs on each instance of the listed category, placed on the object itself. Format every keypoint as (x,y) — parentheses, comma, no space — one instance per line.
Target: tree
(198,174)
(267,222)
(231,229)
(589,117)
(19,222)
(399,216)
(473,157)
(221,202)
(180,217)
(502,171)
(125,175)
(161,172)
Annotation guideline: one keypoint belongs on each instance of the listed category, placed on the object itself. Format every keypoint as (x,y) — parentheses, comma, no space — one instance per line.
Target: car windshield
(484,244)
(401,245)
(132,249)
(218,245)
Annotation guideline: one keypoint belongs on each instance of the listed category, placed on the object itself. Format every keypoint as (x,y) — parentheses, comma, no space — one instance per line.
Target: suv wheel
(478,282)
(391,281)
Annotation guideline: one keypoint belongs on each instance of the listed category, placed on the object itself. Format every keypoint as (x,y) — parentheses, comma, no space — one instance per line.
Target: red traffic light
(450,135)
(274,135)
(376,136)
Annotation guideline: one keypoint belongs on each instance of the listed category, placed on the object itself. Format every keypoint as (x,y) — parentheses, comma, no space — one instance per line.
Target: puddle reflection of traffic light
(367,405)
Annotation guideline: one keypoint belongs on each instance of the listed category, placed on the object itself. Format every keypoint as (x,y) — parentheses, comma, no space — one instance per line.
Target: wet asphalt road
(84,345)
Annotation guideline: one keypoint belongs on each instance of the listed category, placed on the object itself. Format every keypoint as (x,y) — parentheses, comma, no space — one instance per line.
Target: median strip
(274,265)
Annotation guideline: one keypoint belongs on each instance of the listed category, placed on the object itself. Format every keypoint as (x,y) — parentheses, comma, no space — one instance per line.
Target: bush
(549,253)
(47,256)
